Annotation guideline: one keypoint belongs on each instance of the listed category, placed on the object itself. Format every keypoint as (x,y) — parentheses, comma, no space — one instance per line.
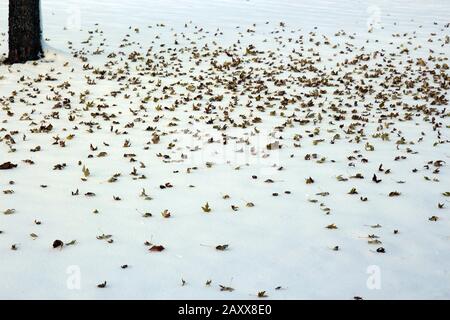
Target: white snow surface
(282,241)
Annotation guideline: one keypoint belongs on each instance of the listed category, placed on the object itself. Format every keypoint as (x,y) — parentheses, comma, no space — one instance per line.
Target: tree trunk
(24,31)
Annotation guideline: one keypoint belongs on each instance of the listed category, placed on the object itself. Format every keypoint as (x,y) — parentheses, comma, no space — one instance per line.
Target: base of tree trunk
(23,55)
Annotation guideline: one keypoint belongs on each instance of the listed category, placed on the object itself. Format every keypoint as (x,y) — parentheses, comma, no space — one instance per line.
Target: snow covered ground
(316,131)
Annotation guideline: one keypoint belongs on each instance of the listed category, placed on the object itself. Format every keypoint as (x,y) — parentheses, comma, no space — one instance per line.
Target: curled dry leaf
(375,179)
(166,213)
(262,294)
(86,172)
(273,146)
(156,248)
(58,244)
(225,288)
(222,247)
(9,211)
(104,237)
(7,165)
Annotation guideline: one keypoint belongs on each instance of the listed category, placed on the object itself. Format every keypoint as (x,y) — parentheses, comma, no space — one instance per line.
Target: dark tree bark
(24,31)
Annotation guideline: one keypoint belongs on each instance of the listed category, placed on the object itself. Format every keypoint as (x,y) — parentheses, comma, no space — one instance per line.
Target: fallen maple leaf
(206,208)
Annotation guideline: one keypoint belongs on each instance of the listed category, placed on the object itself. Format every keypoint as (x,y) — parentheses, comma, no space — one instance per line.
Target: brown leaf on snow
(166,213)
(225,288)
(262,294)
(7,165)
(9,211)
(309,180)
(57,244)
(86,172)
(222,247)
(156,248)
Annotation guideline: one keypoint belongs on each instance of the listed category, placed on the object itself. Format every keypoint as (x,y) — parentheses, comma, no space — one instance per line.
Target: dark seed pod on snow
(57,243)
